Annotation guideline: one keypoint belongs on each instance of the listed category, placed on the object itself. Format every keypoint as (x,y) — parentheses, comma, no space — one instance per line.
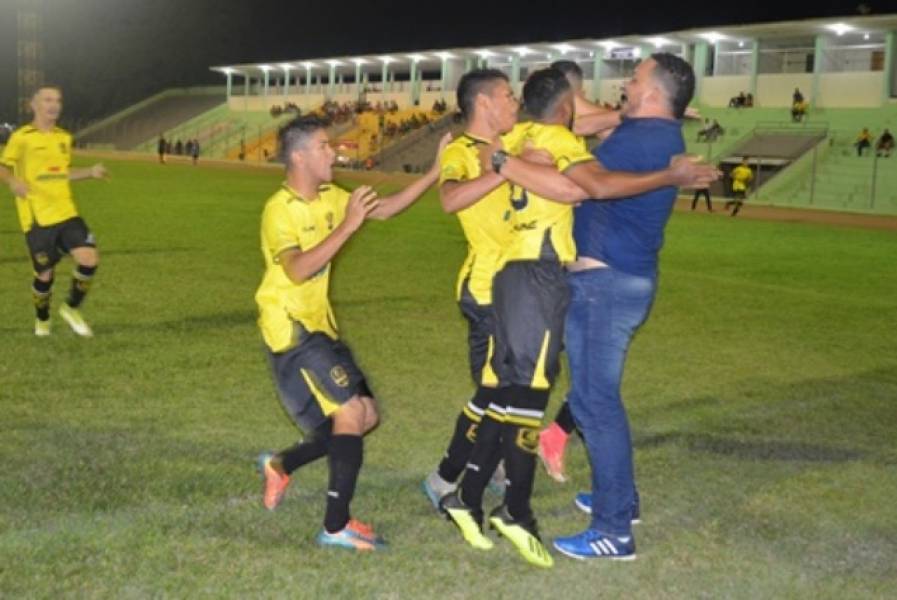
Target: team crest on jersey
(528,439)
(329,217)
(339,376)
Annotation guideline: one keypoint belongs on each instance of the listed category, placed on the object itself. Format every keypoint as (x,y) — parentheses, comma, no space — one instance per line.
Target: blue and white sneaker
(435,488)
(591,543)
(583,502)
(355,535)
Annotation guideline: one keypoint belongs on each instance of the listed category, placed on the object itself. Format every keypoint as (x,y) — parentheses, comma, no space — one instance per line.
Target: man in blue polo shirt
(613,284)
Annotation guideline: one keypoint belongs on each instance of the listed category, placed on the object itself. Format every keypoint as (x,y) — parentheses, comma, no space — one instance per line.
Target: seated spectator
(797,97)
(749,100)
(738,101)
(711,131)
(864,141)
(885,144)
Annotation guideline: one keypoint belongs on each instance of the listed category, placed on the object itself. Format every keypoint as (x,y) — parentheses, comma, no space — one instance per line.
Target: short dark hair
(568,68)
(473,83)
(294,134)
(677,79)
(542,90)
(44,86)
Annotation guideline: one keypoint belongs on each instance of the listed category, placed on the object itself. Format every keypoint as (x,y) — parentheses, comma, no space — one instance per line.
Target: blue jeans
(606,309)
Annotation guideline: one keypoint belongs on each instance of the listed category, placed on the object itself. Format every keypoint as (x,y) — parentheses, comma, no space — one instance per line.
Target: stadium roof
(852,28)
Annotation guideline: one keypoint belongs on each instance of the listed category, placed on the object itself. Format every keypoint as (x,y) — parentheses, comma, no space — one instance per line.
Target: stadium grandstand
(388,111)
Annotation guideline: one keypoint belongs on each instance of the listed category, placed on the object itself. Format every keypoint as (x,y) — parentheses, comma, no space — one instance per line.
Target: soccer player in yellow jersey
(480,199)
(304,226)
(742,175)
(36,164)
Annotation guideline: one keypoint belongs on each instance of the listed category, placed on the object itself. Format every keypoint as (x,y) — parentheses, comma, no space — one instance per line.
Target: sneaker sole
(525,545)
(470,531)
(627,558)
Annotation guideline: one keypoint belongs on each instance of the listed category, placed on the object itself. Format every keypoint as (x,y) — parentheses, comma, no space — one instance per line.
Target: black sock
(40,292)
(564,418)
(346,454)
(308,450)
(520,442)
(482,462)
(465,435)
(81,280)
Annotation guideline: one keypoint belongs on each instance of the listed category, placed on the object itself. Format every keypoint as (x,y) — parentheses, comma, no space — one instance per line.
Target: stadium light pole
(308,66)
(755,65)
(286,79)
(887,88)
(597,63)
(818,55)
(700,67)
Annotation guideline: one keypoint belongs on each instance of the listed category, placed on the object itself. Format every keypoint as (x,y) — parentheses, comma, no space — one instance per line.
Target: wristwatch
(499,158)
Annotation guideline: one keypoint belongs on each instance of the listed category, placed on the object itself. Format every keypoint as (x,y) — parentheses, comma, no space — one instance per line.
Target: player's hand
(535,155)
(692,113)
(362,201)
(98,171)
(691,171)
(18,187)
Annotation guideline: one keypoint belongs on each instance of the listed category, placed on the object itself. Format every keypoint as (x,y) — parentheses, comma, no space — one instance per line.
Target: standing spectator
(179,147)
(797,97)
(161,148)
(703,191)
(188,148)
(741,177)
(194,151)
(885,144)
(864,141)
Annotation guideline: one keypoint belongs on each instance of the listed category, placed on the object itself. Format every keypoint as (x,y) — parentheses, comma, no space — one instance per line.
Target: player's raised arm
(395,203)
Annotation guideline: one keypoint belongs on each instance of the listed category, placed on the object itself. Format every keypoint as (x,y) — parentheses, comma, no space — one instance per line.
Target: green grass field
(762,393)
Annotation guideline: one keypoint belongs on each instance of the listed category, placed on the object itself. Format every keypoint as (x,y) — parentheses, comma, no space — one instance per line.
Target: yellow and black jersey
(290,221)
(42,160)
(539,222)
(487,224)
(741,176)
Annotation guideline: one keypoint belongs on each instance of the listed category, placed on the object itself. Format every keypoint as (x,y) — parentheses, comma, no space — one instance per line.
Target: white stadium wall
(775,90)
(717,91)
(850,90)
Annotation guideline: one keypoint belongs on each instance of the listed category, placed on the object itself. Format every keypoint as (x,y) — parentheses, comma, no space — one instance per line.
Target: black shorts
(480,337)
(530,300)
(738,194)
(47,245)
(315,378)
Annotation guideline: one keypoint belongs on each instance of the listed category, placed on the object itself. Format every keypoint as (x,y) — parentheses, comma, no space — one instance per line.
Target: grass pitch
(761,393)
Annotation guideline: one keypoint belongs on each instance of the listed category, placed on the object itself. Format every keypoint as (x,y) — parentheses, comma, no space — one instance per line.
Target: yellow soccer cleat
(41,328)
(73,317)
(468,520)
(524,536)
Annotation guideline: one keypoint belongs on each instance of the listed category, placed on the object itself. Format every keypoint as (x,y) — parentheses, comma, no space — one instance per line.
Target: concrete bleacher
(127,129)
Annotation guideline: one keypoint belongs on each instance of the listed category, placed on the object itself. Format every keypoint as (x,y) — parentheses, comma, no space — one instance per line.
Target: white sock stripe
(497,409)
(475,409)
(523,412)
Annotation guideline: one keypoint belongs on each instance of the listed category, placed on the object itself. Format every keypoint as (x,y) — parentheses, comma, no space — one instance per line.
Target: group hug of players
(512,186)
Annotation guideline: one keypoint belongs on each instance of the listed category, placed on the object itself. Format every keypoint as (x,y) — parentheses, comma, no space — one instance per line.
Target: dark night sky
(109,53)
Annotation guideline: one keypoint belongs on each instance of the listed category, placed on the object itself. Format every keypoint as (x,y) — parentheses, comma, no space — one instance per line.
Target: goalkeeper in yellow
(36,165)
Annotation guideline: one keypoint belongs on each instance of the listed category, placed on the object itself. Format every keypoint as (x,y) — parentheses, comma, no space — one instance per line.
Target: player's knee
(87,257)
(350,418)
(45,276)
(371,415)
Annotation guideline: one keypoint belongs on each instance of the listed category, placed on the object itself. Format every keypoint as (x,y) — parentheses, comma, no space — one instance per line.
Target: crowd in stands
(288,108)
(883,147)
(742,100)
